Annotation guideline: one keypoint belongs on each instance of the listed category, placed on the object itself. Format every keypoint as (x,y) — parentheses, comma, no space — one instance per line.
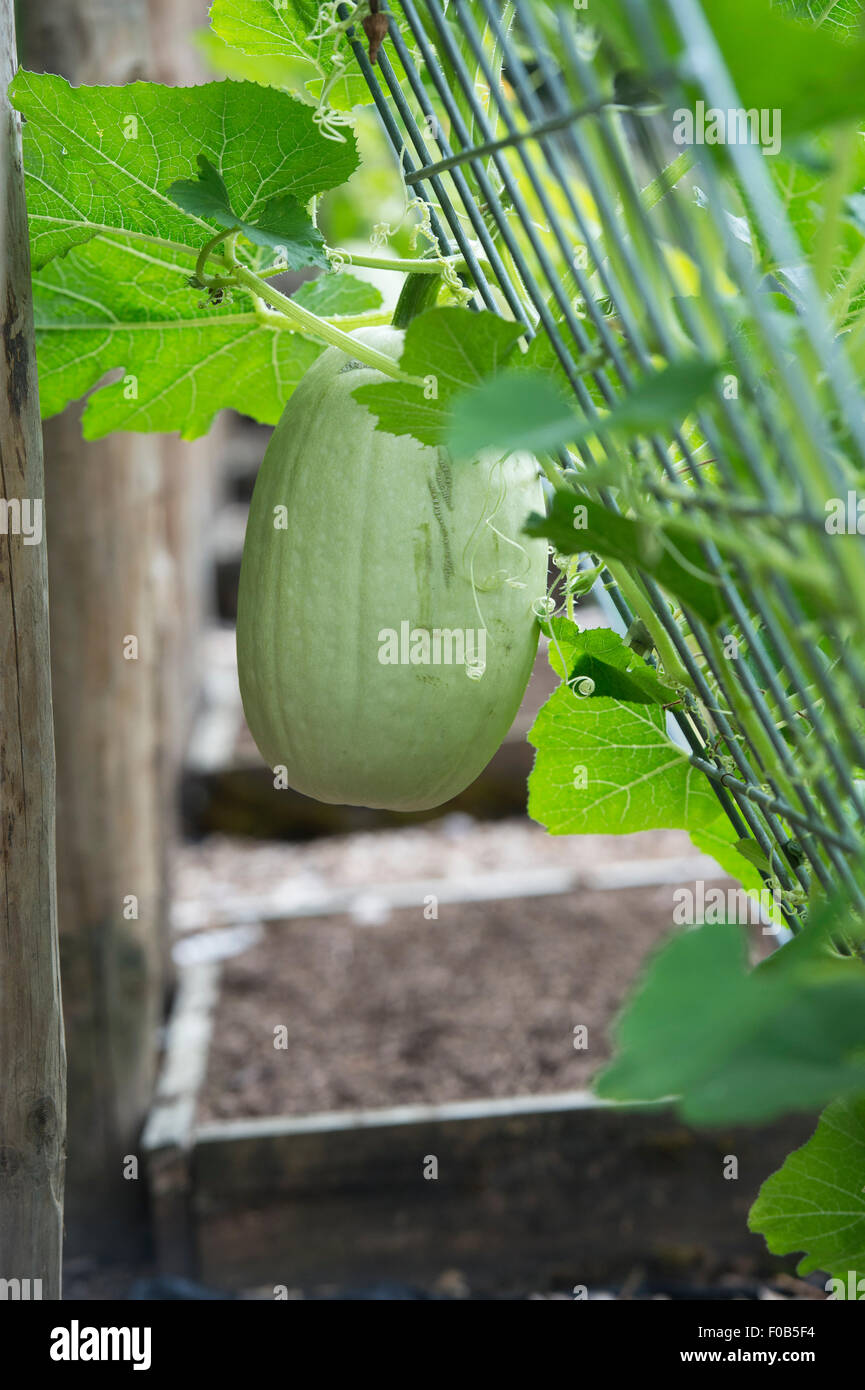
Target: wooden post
(32,1063)
(121,562)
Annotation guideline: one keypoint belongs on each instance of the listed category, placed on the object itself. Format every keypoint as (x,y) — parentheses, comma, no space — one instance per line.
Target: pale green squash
(353,534)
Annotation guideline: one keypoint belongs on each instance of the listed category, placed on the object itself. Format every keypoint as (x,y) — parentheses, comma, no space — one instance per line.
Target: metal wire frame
(533,128)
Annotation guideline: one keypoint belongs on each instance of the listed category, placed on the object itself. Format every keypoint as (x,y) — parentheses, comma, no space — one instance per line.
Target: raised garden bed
(414,1039)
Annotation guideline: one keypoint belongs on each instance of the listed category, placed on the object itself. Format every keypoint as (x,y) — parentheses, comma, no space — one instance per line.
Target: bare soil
(482,1002)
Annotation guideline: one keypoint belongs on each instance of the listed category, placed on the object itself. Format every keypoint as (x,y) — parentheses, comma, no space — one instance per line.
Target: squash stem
(406,266)
(317,327)
(418,293)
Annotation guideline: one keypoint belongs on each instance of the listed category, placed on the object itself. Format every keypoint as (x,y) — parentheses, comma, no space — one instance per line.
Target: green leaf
(665,552)
(743,860)
(736,1046)
(541,356)
(337,294)
(282,224)
(811,78)
(601,656)
(205,196)
(661,398)
(775,61)
(449,349)
(527,410)
(287,73)
(816,1201)
(101,159)
(751,851)
(284,33)
(843,18)
(605,766)
(514,411)
(110,304)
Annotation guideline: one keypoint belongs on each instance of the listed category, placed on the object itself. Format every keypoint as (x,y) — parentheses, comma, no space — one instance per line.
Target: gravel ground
(456,847)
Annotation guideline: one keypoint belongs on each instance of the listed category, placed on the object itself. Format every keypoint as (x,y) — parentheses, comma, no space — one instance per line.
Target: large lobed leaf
(101,159)
(734,1045)
(816,1201)
(115,304)
(605,764)
(634,777)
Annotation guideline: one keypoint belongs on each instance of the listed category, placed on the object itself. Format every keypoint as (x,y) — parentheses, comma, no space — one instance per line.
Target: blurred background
(318,1050)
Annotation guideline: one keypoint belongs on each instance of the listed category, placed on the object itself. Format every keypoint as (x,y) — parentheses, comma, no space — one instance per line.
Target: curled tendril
(476,670)
(460,292)
(330,66)
(338,258)
(462,295)
(544,607)
(582,687)
(423,226)
(381,234)
(330,122)
(328,22)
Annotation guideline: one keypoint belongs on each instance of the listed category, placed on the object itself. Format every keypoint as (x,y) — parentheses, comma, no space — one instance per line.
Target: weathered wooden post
(121,556)
(32,1061)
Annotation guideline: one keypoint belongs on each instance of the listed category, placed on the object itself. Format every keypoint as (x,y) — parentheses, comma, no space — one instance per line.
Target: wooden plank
(393,1116)
(287,899)
(539,1191)
(168,1136)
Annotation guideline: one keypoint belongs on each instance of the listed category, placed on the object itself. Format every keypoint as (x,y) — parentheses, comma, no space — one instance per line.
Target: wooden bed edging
(538,1192)
(274,1126)
(284,902)
(168,1136)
